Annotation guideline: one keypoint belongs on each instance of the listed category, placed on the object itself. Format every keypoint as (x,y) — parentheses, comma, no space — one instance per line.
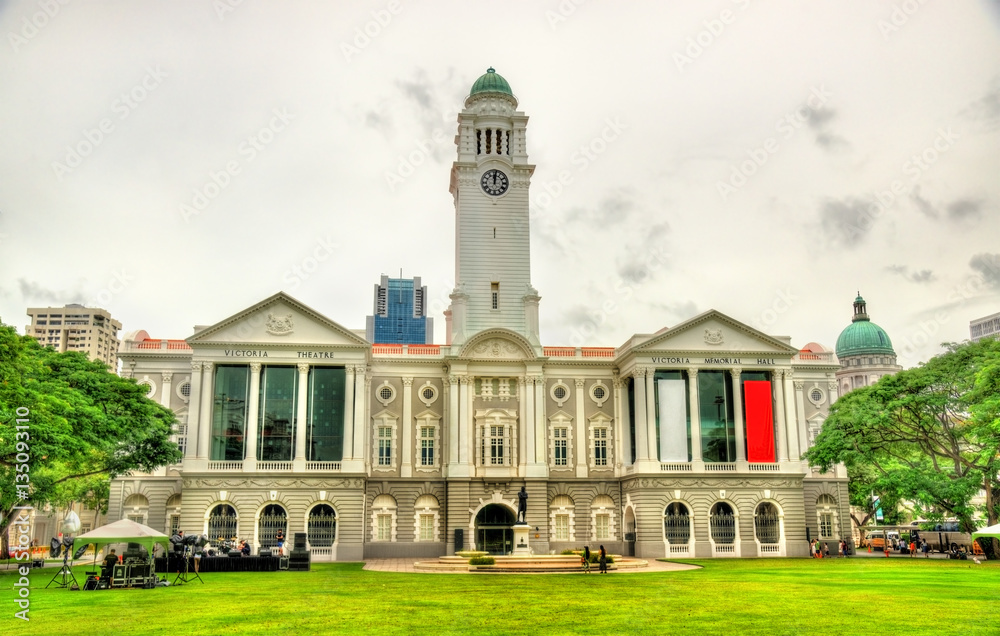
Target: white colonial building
(684,442)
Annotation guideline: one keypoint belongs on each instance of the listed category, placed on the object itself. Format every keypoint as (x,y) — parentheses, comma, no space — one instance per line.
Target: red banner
(759,420)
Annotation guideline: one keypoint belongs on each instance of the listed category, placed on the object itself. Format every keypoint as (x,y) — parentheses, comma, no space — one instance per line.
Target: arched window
(222,524)
(677,524)
(826,513)
(384,518)
(561,515)
(322,527)
(723,523)
(766,523)
(272,519)
(603,509)
(425,518)
(135,508)
(173,514)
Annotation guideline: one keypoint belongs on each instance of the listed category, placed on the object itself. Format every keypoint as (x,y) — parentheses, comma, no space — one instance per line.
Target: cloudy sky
(177,162)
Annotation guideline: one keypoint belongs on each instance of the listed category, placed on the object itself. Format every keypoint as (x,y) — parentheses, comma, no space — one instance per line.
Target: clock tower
(489,184)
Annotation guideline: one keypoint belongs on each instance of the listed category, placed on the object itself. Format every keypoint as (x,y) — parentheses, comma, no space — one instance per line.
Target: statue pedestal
(521,531)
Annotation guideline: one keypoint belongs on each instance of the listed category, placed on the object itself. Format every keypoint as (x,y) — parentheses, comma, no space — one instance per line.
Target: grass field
(749,596)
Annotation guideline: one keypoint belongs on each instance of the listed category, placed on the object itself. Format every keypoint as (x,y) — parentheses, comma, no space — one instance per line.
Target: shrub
(482,560)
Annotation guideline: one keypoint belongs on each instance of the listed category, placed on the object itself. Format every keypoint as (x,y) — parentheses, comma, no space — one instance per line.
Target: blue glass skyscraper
(400,313)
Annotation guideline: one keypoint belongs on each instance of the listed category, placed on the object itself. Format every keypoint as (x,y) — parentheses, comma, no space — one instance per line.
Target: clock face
(494,182)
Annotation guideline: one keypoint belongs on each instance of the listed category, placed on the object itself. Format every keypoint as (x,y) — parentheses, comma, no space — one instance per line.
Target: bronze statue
(522,505)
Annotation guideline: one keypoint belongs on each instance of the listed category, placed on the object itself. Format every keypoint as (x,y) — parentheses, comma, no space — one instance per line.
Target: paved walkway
(406,566)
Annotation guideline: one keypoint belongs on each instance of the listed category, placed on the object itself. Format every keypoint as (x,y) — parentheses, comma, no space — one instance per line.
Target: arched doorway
(723,530)
(677,528)
(494,529)
(272,519)
(222,525)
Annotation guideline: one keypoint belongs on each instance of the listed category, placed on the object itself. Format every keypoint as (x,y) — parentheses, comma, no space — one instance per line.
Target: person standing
(926,549)
(913,548)
(586,559)
(603,561)
(826,550)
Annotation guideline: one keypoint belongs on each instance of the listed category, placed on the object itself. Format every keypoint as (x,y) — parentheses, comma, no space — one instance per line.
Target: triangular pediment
(498,344)
(278,321)
(714,332)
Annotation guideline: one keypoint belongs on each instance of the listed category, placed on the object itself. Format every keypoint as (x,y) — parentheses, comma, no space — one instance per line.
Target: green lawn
(752,596)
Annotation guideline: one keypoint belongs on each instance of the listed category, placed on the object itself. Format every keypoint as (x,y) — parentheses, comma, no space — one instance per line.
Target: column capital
(255,367)
(692,372)
(640,372)
(799,384)
(777,373)
(579,383)
(206,366)
(788,373)
(832,386)
(453,379)
(167,376)
(196,366)
(464,379)
(303,367)
(521,381)
(735,372)
(407,380)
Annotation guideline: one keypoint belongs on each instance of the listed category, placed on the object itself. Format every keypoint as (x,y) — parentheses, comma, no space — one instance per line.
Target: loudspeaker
(264,552)
(235,553)
(91,583)
(300,541)
(459,539)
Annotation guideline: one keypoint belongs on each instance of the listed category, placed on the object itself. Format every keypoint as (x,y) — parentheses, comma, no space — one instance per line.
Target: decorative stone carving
(167,376)
(407,380)
(303,367)
(714,336)
(497,348)
(255,367)
(279,325)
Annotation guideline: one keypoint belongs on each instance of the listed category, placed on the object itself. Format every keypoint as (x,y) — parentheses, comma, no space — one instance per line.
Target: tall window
(562,527)
(325,439)
(322,528)
(229,412)
(384,527)
(600,446)
(426,527)
(495,295)
(385,446)
(718,429)
(826,525)
(559,445)
(601,526)
(497,445)
(175,524)
(426,445)
(276,419)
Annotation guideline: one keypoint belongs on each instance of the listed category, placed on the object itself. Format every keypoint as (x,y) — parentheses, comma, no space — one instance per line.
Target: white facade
(656,447)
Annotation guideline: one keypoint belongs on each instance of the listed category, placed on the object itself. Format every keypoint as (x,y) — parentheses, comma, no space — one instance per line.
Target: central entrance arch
(494,529)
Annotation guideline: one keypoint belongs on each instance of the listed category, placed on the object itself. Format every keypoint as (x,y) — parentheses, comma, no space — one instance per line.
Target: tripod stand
(65,574)
(185,575)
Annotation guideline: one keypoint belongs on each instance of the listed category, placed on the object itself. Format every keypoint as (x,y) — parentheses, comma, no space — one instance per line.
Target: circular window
(559,392)
(148,386)
(817,395)
(428,393)
(385,393)
(599,392)
(185,390)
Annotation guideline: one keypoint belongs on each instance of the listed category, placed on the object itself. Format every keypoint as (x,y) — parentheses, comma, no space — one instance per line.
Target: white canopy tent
(124,531)
(991,531)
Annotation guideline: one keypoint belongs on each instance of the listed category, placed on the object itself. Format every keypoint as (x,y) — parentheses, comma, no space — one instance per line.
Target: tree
(86,426)
(930,435)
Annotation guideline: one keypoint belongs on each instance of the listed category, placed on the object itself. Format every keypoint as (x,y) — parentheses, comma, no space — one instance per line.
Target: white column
(620,427)
(779,410)
(641,429)
(791,422)
(800,416)
(540,422)
(741,453)
(350,431)
(526,444)
(654,451)
(360,417)
(527,388)
(464,421)
(469,407)
(301,418)
(832,389)
(165,392)
(406,447)
(207,394)
(194,402)
(253,410)
(695,415)
(581,431)
(453,440)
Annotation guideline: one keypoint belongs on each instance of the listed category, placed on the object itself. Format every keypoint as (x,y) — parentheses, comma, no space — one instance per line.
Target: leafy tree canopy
(929,435)
(86,426)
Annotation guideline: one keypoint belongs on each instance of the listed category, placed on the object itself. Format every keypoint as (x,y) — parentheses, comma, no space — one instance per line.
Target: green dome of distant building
(491,82)
(862,336)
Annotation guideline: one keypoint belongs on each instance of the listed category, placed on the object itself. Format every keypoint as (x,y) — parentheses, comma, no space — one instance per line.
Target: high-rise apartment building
(77,328)
(986,327)
(400,313)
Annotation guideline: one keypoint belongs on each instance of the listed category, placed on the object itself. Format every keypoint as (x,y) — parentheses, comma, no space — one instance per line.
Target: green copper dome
(491,82)
(862,336)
